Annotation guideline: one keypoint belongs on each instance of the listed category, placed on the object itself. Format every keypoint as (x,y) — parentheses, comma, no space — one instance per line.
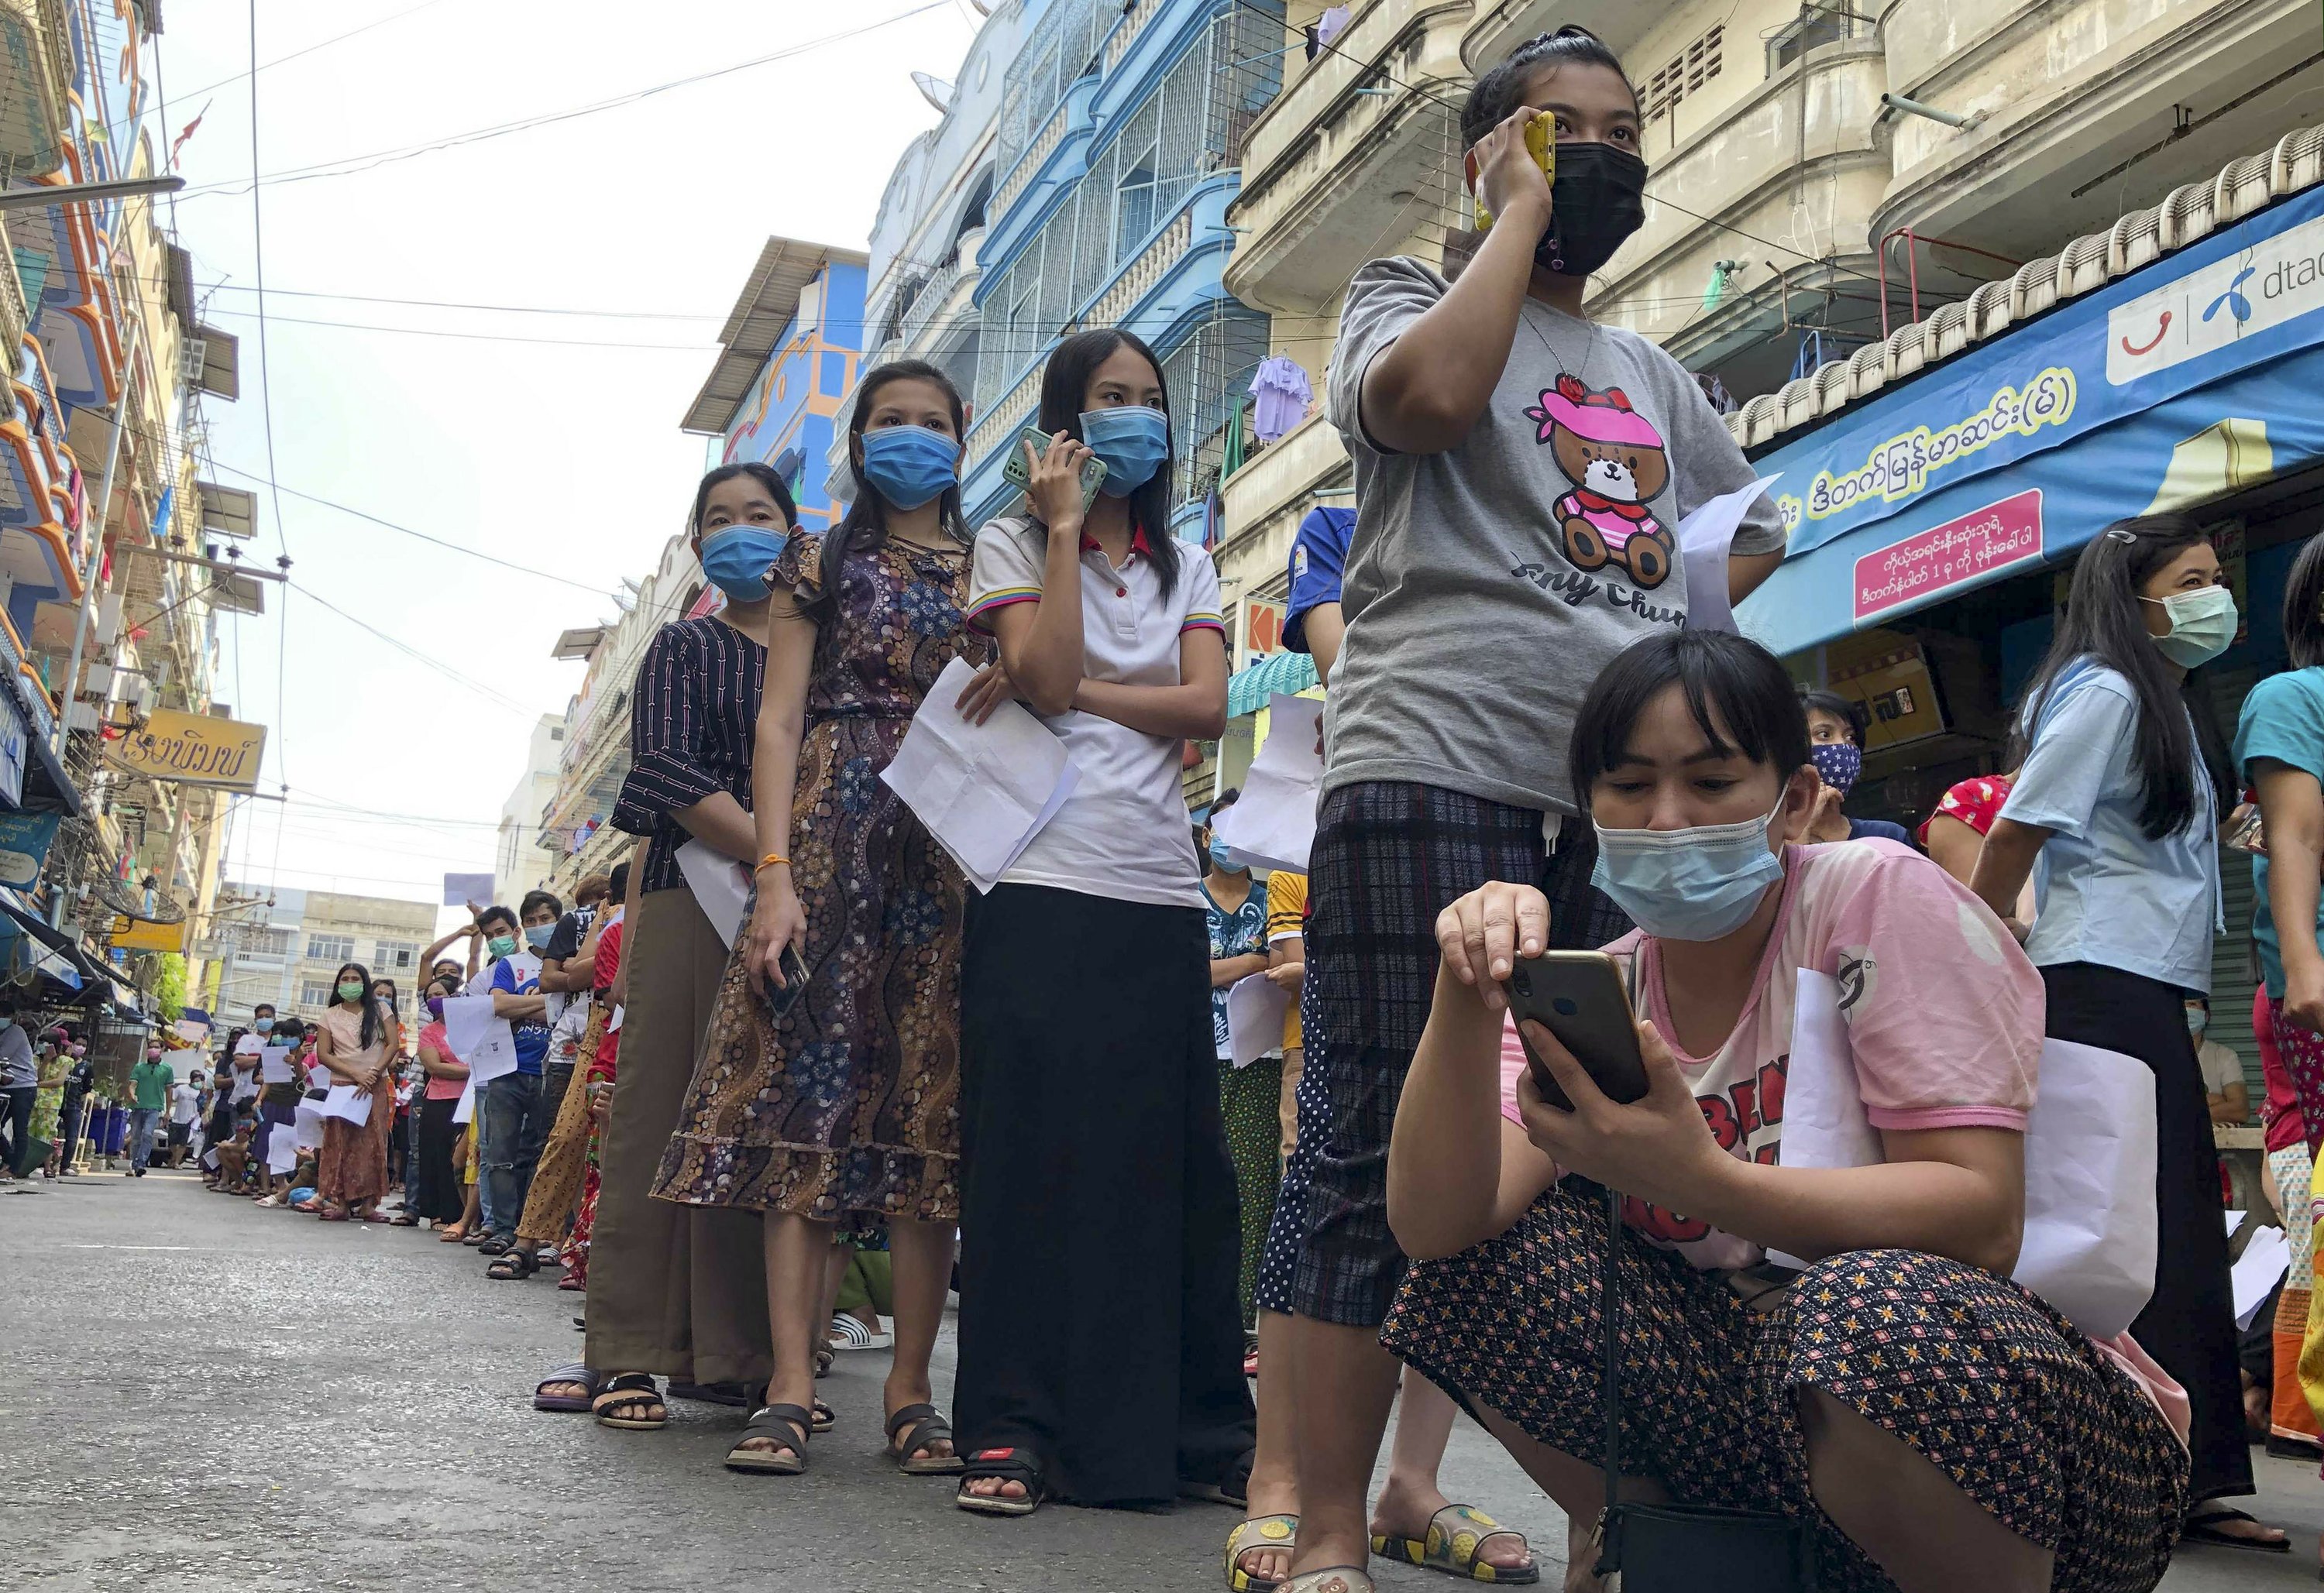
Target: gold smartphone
(1582,998)
(1541,143)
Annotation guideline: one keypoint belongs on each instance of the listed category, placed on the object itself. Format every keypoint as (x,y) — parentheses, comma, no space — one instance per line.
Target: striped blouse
(692,717)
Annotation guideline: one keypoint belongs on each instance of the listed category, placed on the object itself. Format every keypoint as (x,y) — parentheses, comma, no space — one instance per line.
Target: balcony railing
(36,79)
(999,423)
(1036,152)
(1141,273)
(938,291)
(1118,42)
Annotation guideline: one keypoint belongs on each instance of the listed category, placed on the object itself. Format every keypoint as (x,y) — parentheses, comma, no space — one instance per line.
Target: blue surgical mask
(1693,884)
(2197,1020)
(1841,763)
(2203,625)
(1133,440)
(536,936)
(910,465)
(737,558)
(265,1026)
(1224,857)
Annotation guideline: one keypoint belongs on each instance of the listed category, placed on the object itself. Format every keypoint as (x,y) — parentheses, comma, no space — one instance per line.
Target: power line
(309,50)
(263,318)
(498,699)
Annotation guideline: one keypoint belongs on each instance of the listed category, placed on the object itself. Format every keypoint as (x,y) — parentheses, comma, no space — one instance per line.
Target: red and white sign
(1956,553)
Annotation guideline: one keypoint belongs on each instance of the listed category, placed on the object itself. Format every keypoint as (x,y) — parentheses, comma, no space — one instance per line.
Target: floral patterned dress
(849,1102)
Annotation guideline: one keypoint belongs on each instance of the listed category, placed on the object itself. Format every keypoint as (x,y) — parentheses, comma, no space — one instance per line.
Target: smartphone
(1581,998)
(1541,144)
(794,970)
(1019,474)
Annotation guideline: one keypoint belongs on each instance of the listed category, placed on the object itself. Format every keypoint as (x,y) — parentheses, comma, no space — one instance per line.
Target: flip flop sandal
(513,1266)
(822,1362)
(2204,1529)
(570,1372)
(1332,1579)
(826,1418)
(406,1222)
(852,1334)
(628,1391)
(786,1424)
(450,1234)
(1261,1531)
(926,1428)
(737,1395)
(1010,1465)
(475,1241)
(1455,1533)
(571,1284)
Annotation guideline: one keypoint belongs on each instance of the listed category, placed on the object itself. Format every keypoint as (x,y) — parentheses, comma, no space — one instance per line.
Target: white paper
(460,890)
(478,1038)
(2090,1234)
(1705,537)
(464,1110)
(2264,1260)
(2234,1221)
(281,1148)
(309,1125)
(210,1158)
(720,885)
(1254,1010)
(274,1065)
(982,790)
(347,1102)
(1273,827)
(613,1023)
(245,1088)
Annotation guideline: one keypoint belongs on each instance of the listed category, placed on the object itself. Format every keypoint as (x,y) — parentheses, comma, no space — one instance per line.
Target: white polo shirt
(1124,833)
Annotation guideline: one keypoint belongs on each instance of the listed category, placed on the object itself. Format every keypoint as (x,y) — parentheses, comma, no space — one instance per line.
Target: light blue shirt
(2104,892)
(2283,718)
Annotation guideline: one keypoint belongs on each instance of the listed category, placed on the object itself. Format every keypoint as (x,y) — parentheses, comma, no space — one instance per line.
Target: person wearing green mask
(355,1040)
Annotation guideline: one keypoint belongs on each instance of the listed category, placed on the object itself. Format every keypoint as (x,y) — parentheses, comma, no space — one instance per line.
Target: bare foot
(993,1487)
(1273,1490)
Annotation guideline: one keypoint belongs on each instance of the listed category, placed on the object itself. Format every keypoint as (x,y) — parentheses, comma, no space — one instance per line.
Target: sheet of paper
(613,1023)
(187,1028)
(460,890)
(210,1158)
(310,1127)
(2234,1221)
(244,1089)
(1705,537)
(281,1148)
(2264,1259)
(1254,1010)
(478,1038)
(465,1109)
(274,1065)
(347,1102)
(1824,1122)
(720,884)
(1274,824)
(982,790)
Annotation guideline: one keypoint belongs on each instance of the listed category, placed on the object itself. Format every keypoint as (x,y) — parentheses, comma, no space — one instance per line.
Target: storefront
(1933,523)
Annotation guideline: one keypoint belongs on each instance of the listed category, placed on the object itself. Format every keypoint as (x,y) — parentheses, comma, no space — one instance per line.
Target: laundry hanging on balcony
(1283,392)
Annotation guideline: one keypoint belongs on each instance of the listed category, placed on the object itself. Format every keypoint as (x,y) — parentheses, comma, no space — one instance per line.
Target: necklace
(1589,347)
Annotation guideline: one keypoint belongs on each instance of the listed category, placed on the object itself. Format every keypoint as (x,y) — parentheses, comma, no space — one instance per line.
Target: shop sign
(197,750)
(1262,628)
(24,839)
(1959,552)
(135,935)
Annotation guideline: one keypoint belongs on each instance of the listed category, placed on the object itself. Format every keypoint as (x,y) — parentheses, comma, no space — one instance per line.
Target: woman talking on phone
(1098,1203)
(836,1100)
(1934,1425)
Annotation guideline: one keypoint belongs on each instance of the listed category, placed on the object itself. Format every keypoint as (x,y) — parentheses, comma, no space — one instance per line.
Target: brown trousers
(556,1189)
(676,1290)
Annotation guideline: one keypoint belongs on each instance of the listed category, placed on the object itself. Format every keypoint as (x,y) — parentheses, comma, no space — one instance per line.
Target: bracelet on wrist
(769,861)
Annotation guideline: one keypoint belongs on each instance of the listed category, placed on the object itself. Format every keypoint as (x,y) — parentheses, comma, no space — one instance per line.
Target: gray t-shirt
(17,1068)
(1487,585)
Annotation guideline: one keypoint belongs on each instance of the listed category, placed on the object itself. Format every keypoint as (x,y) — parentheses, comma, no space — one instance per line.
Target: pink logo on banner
(1958,551)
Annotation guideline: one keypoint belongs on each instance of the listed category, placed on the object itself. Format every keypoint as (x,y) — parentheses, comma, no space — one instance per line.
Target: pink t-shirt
(1944,1015)
(432,1034)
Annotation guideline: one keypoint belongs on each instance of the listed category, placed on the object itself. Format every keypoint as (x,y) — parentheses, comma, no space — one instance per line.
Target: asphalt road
(200,1394)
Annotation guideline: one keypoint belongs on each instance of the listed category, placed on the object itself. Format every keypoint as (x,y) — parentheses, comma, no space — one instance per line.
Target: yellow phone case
(1541,143)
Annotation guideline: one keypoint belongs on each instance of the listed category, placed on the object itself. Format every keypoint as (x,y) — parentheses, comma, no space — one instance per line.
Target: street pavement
(200,1394)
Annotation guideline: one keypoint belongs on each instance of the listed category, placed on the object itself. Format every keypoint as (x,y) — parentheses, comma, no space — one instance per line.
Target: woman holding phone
(1098,1201)
(837,1100)
(1934,1425)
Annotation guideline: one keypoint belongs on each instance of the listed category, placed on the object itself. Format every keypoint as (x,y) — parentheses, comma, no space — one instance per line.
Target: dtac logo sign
(2275,280)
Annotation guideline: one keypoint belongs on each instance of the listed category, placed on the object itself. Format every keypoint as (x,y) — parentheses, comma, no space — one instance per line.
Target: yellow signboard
(134,934)
(195,749)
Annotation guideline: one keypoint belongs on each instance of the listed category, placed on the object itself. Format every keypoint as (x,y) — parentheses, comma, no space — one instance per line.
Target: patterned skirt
(1989,1382)
(353,1165)
(849,1101)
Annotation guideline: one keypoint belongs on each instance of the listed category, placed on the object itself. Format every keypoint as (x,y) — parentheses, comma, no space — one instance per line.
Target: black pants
(554,1082)
(2188,1326)
(17,1119)
(435,1194)
(68,1125)
(1100,1227)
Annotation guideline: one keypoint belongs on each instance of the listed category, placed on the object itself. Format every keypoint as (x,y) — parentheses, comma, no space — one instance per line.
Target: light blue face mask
(910,465)
(1692,884)
(538,935)
(1133,440)
(737,558)
(1224,860)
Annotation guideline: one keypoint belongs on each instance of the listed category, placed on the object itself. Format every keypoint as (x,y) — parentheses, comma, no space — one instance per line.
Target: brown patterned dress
(848,1104)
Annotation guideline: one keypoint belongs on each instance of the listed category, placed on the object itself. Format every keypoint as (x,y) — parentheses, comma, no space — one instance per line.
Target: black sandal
(735,1394)
(927,1428)
(788,1425)
(571,1372)
(512,1266)
(826,1418)
(1010,1465)
(1233,1489)
(630,1389)
(2204,1528)
(497,1245)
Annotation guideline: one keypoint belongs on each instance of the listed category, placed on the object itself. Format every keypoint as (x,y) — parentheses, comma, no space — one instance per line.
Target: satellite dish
(983,7)
(935,91)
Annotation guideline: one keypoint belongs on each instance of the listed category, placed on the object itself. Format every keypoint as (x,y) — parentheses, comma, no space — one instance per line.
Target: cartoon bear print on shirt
(1614,457)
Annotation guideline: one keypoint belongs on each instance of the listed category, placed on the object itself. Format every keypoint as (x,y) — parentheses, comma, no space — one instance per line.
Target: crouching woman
(1936,1424)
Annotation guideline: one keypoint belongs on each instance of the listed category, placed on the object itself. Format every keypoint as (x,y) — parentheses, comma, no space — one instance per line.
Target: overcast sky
(567,459)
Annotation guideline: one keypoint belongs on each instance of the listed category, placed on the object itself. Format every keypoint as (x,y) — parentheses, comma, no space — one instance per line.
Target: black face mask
(1596,201)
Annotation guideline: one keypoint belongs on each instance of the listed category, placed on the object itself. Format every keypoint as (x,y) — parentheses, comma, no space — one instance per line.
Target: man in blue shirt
(514,1108)
(1319,551)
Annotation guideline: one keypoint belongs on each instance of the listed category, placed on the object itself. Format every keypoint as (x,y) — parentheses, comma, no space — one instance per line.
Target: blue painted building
(1120,145)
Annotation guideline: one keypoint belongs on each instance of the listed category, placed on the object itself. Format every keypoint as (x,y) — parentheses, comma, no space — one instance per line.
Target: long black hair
(1494,98)
(370,1006)
(1065,388)
(1725,679)
(865,525)
(2303,607)
(764,474)
(2104,623)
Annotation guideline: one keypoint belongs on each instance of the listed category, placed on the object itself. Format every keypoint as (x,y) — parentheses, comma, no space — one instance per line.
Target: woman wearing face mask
(681,1290)
(843,1105)
(1746,1385)
(2118,802)
(355,1040)
(437,1194)
(1236,911)
(1836,743)
(1109,629)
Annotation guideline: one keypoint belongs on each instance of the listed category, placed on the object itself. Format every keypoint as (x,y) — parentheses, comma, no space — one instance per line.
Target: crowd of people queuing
(1028,1093)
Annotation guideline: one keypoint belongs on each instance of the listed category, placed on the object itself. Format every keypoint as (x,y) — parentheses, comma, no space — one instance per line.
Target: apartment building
(518,865)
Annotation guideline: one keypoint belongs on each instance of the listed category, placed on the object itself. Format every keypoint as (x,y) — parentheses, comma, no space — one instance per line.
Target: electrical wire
(498,699)
(260,316)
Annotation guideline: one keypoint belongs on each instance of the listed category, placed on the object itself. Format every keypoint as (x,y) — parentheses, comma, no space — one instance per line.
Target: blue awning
(2173,387)
(1248,688)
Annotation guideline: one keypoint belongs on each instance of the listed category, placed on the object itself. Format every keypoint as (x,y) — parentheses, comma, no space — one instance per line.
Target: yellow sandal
(1261,1531)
